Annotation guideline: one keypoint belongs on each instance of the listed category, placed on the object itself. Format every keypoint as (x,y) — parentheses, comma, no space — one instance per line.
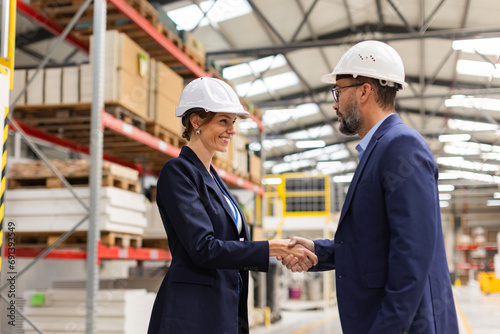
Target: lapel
(210,183)
(384,127)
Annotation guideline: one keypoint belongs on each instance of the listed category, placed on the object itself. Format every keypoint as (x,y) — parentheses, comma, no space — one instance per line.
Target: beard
(351,119)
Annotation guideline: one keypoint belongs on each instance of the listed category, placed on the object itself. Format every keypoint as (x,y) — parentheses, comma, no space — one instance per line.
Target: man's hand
(303,257)
(294,263)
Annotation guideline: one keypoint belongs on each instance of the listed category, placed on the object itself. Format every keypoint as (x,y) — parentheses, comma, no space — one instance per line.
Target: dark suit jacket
(391,270)
(200,291)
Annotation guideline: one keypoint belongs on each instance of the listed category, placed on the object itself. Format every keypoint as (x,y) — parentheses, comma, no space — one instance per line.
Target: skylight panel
(254,67)
(186,18)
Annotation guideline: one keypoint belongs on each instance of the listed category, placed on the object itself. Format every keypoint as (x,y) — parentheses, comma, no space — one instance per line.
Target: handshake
(297,254)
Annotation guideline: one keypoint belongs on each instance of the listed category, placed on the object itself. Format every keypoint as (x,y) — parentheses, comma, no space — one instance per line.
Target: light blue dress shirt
(363,144)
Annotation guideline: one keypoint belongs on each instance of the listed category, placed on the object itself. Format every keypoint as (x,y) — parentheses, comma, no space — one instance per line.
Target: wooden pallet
(159,243)
(167,136)
(77,239)
(127,116)
(82,181)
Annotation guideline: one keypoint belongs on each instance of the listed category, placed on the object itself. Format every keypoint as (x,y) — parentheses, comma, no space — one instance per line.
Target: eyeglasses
(335,91)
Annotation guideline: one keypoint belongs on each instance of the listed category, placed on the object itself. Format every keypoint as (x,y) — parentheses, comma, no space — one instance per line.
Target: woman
(206,287)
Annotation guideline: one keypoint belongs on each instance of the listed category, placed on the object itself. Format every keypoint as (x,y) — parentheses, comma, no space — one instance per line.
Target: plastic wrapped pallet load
(55,210)
(63,311)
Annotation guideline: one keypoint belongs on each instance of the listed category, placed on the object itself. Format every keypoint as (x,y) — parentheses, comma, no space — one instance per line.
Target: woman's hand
(296,254)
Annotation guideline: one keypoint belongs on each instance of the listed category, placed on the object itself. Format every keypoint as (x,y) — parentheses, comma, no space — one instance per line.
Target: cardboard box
(126,73)
(70,84)
(19,83)
(168,82)
(35,89)
(165,115)
(53,88)
(254,163)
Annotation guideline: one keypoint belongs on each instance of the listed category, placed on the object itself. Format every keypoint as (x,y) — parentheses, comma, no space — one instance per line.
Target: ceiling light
(449,176)
(496,195)
(254,146)
(444,204)
(457,137)
(446,187)
(274,116)
(458,124)
(444,197)
(478,68)
(492,202)
(272,180)
(343,178)
(310,144)
(473,102)
(272,143)
(484,46)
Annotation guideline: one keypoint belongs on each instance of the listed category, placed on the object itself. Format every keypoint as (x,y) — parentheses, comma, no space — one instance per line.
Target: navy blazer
(200,291)
(391,270)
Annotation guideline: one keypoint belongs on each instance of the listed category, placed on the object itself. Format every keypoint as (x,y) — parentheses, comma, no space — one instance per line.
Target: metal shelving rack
(99,120)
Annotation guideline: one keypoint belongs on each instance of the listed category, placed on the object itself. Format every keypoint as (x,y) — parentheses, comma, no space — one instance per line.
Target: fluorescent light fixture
(310,144)
(339,155)
(446,187)
(290,166)
(496,195)
(272,180)
(268,164)
(458,124)
(333,167)
(272,83)
(274,116)
(478,68)
(460,162)
(316,132)
(247,124)
(255,146)
(444,197)
(253,67)
(484,46)
(444,204)
(347,178)
(187,17)
(482,177)
(457,137)
(272,143)
(473,102)
(449,176)
(324,152)
(492,202)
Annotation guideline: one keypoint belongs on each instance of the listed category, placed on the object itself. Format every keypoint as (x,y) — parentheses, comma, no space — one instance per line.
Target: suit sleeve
(409,176)
(325,251)
(185,208)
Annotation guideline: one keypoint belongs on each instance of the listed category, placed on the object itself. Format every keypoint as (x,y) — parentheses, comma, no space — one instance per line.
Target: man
(388,253)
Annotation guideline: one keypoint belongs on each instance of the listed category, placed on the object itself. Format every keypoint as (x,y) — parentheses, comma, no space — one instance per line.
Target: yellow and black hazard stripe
(3,71)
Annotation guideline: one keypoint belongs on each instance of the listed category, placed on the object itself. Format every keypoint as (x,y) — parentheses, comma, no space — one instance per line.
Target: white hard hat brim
(180,111)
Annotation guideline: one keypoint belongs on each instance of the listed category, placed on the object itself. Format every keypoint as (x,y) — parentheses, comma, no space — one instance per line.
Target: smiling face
(216,134)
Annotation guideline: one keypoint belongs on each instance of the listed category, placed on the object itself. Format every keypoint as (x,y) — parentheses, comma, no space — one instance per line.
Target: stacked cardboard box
(126,74)
(165,90)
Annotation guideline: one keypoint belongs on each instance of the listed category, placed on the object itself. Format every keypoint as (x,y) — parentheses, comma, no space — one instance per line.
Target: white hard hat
(371,59)
(210,94)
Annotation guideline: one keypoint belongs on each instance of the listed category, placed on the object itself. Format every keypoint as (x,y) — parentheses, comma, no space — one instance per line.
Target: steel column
(96,149)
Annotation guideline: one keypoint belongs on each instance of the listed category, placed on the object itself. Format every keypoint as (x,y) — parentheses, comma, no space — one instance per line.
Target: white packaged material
(55,210)
(117,311)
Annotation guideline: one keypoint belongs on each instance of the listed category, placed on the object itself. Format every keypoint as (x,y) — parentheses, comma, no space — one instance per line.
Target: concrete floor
(478,313)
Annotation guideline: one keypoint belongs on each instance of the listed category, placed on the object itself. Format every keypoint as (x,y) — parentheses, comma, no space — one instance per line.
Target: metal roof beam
(450,34)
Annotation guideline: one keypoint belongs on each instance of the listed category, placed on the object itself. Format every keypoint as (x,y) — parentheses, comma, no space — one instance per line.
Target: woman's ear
(195,121)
